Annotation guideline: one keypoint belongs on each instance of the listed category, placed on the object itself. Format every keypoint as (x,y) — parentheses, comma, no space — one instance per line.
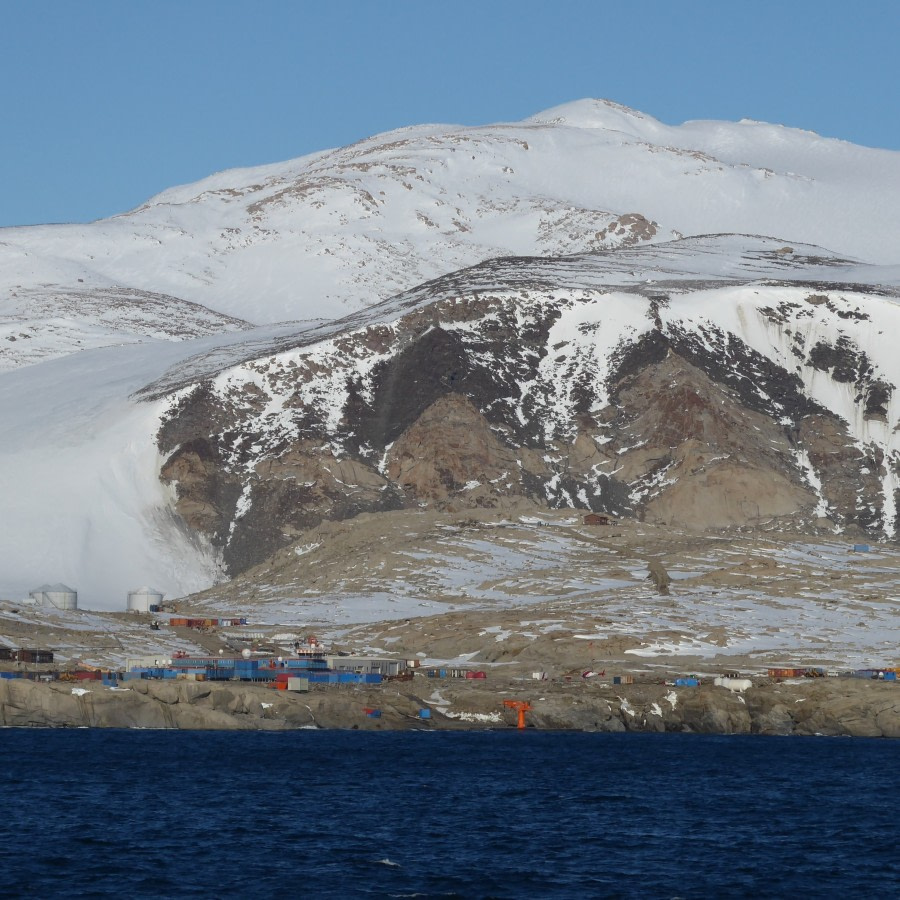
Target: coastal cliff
(851,708)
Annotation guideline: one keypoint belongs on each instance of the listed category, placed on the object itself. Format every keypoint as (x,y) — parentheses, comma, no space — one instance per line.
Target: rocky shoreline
(821,707)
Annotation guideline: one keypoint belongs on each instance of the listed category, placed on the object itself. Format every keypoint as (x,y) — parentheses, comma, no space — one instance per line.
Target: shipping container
(785,672)
(687,682)
(32,656)
(424,713)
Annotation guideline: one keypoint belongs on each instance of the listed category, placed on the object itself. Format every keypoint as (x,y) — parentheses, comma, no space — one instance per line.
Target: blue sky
(106,102)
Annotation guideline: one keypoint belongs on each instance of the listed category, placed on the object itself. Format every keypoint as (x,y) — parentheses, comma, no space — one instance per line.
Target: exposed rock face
(187,705)
(449,447)
(855,709)
(635,403)
(659,576)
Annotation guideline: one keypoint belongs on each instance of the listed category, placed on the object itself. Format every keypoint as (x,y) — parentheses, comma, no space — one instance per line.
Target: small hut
(596,519)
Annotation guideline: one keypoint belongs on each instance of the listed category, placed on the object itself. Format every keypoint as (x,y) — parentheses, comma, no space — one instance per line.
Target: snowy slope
(79,477)
(336,231)
(45,323)
(689,263)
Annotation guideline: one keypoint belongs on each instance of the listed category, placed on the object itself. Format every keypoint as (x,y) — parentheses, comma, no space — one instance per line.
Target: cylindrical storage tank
(38,594)
(143,598)
(60,596)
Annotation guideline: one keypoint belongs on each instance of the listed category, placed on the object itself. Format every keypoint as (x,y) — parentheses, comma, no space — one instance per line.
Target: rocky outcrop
(450,448)
(859,709)
(188,705)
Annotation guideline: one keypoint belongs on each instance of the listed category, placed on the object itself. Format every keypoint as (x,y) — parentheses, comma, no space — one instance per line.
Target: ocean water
(342,814)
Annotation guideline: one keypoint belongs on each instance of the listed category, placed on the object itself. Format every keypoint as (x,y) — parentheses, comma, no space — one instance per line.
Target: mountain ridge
(552,389)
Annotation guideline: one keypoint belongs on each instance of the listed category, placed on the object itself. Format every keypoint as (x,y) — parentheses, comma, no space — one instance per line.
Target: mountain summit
(332,232)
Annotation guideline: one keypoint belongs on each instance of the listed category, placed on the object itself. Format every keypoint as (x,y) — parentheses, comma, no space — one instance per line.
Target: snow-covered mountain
(330,233)
(599,359)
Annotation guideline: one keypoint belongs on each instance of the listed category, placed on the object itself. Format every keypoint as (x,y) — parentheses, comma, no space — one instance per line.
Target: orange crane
(521,707)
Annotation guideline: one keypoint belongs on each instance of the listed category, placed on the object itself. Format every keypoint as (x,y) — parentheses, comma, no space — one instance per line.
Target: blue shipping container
(424,713)
(687,682)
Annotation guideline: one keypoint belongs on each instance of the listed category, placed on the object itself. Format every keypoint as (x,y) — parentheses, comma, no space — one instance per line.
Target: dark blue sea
(342,814)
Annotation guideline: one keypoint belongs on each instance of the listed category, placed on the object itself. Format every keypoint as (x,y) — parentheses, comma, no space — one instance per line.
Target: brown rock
(449,446)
